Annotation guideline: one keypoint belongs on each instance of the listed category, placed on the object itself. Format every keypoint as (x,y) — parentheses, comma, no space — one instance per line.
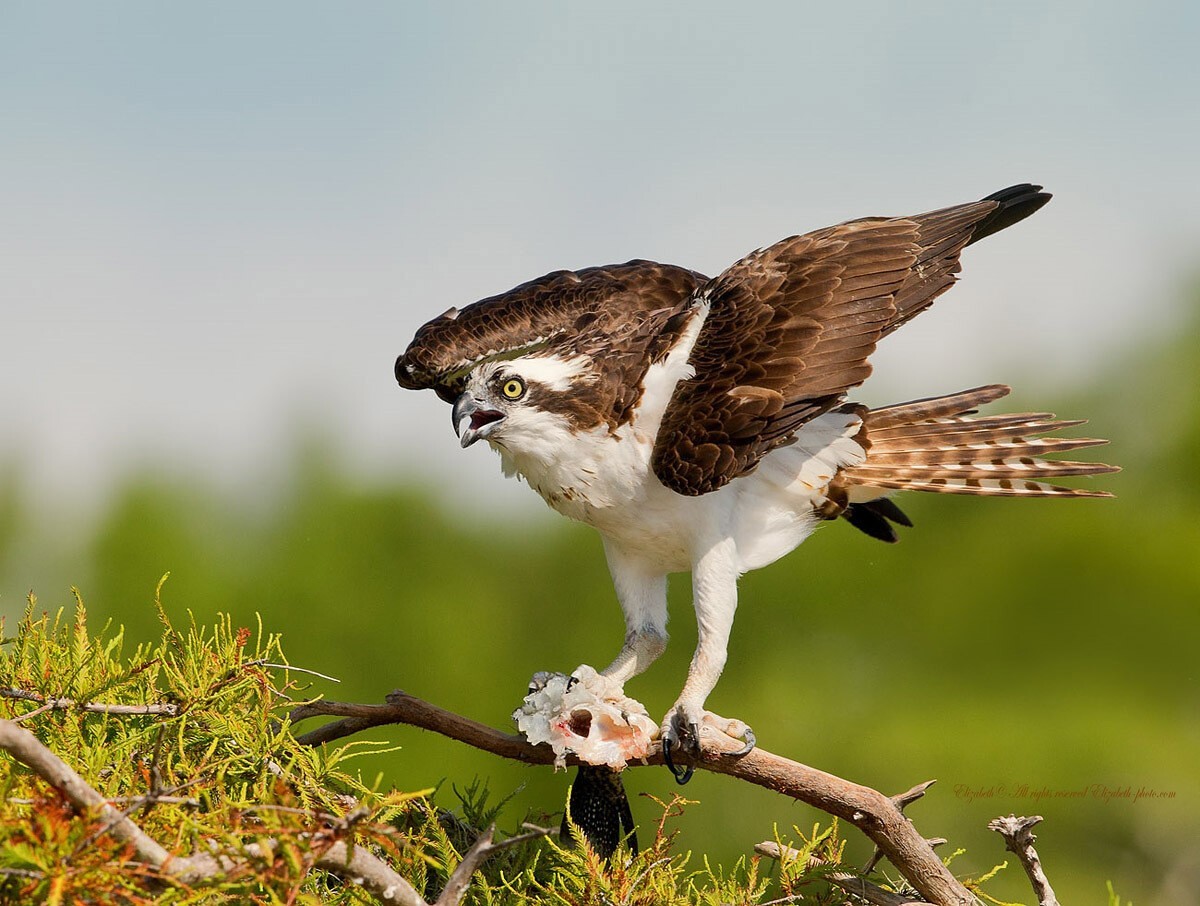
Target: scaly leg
(642,591)
(714,593)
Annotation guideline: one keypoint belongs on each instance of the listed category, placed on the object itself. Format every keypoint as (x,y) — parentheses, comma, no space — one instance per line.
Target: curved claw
(751,741)
(681,774)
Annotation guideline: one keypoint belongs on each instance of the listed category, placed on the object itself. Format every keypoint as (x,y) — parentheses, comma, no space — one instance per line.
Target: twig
(402,708)
(480,851)
(28,715)
(876,815)
(294,669)
(22,873)
(460,878)
(1019,838)
(851,883)
(902,801)
(138,800)
(65,704)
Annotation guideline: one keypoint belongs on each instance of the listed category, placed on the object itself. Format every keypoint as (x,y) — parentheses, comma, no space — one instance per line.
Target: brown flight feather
(801,318)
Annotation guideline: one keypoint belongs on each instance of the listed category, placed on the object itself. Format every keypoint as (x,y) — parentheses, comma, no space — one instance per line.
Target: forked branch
(1018,839)
(878,816)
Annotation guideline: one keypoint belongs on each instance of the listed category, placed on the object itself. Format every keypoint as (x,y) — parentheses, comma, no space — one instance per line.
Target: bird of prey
(702,424)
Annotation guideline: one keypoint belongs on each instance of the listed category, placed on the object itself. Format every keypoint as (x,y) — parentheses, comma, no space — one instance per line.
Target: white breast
(603,477)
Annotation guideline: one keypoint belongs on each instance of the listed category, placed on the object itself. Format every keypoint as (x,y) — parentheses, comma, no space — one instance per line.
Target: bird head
(492,395)
(515,402)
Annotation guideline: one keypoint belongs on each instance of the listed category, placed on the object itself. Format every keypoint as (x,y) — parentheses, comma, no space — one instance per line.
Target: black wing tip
(1014,204)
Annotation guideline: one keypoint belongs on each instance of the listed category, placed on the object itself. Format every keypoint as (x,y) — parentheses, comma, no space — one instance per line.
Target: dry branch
(878,816)
(359,867)
(851,883)
(68,704)
(1019,838)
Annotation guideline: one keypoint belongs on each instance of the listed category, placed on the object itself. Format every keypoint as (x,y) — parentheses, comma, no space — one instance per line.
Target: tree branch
(879,817)
(851,883)
(66,704)
(25,748)
(354,864)
(480,851)
(1019,838)
(358,866)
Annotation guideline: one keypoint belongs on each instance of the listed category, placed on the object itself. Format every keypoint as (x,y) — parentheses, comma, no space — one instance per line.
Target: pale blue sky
(218,218)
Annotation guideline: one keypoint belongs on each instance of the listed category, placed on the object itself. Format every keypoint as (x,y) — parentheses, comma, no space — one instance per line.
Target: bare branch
(876,815)
(402,708)
(460,878)
(29,715)
(850,883)
(903,801)
(1019,838)
(295,669)
(68,704)
(479,852)
(907,798)
(358,866)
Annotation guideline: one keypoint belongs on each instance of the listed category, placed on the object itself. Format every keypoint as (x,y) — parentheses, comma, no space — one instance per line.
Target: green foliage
(208,763)
(1113,899)
(220,771)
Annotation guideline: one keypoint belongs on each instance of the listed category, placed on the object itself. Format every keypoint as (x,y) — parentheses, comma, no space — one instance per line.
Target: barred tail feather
(936,445)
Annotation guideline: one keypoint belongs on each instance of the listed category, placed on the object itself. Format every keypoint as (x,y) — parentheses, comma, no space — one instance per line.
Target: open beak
(472,420)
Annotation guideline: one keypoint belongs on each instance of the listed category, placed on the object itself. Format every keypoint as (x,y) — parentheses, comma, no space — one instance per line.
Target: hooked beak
(479,421)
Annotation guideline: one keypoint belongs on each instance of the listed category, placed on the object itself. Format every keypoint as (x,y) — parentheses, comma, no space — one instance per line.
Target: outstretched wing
(790,328)
(554,309)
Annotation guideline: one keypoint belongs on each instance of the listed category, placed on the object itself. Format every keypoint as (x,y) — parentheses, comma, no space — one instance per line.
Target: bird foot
(681,733)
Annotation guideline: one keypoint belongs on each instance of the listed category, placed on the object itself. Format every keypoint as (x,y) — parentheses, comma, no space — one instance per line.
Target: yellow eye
(513,389)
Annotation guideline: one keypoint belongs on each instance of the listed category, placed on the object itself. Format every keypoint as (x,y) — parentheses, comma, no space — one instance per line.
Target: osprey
(702,425)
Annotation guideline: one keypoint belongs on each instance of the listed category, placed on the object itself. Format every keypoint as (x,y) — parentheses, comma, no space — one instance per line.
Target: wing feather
(800,319)
(633,303)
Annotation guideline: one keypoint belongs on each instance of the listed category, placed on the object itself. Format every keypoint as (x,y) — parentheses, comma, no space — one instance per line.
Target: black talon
(682,775)
(538,681)
(751,741)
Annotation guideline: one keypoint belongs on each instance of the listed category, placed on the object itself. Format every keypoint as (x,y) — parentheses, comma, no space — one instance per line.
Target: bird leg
(641,649)
(642,591)
(714,592)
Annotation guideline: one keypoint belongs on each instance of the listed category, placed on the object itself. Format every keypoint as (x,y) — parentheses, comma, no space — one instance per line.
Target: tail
(935,445)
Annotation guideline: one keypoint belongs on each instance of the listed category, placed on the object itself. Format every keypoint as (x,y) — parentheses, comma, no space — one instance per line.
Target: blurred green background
(1002,643)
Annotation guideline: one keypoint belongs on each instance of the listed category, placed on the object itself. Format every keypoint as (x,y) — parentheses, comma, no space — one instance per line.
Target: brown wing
(790,329)
(554,309)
